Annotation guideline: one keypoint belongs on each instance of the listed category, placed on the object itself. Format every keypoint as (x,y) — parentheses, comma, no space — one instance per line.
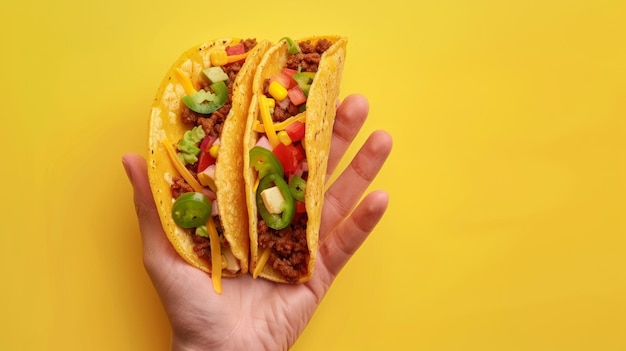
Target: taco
(288,135)
(195,154)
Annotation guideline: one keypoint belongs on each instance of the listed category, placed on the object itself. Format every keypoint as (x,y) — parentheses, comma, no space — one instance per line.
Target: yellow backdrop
(506,226)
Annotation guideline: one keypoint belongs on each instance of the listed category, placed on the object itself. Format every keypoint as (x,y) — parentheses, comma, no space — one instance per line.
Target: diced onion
(214,211)
(264,143)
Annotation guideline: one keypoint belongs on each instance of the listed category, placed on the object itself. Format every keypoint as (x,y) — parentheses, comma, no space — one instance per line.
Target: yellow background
(506,226)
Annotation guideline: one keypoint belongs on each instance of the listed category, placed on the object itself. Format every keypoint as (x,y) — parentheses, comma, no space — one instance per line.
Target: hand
(258,314)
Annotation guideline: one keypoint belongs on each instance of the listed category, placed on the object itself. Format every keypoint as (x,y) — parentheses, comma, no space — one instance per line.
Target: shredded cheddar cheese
(300,117)
(216,256)
(267,121)
(265,255)
(256,184)
(185,81)
(184,172)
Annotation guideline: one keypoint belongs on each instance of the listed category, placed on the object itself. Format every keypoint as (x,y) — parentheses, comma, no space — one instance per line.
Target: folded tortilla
(166,127)
(320,115)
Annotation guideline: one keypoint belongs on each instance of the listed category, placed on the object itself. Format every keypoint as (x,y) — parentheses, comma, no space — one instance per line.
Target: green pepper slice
(304,80)
(265,162)
(276,221)
(297,187)
(206,102)
(191,210)
(292,45)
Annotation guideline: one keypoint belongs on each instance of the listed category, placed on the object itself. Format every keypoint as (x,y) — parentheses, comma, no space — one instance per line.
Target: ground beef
(188,117)
(248,44)
(306,60)
(179,186)
(290,254)
(282,113)
(232,69)
(202,245)
(284,109)
(322,45)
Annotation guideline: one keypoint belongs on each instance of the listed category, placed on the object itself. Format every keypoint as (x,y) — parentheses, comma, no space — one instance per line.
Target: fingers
(350,234)
(351,115)
(346,191)
(154,241)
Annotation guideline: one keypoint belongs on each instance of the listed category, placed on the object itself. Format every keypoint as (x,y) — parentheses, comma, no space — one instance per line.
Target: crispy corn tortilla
(320,116)
(166,125)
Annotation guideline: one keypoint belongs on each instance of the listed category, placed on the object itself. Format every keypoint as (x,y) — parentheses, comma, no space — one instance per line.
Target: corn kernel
(219,57)
(213,151)
(284,137)
(277,91)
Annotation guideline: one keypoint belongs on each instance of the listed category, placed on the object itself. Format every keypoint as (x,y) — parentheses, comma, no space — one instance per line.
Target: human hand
(259,314)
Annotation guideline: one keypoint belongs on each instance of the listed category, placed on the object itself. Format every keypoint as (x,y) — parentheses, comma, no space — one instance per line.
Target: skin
(257,314)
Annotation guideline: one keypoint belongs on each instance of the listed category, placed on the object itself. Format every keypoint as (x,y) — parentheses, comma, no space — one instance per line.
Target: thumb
(154,241)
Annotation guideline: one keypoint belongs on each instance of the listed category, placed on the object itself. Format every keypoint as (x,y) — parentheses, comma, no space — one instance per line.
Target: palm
(251,312)
(248,309)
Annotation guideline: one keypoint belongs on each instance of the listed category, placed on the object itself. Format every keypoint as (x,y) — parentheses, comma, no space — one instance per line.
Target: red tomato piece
(289,73)
(282,79)
(286,157)
(300,207)
(236,49)
(296,95)
(298,152)
(296,131)
(205,159)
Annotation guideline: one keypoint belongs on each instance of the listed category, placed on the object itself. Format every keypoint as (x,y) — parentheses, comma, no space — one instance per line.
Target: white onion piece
(209,193)
(299,172)
(284,104)
(214,211)
(264,143)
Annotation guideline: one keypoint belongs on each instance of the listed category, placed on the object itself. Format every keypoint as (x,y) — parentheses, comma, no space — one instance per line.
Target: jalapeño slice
(191,210)
(265,162)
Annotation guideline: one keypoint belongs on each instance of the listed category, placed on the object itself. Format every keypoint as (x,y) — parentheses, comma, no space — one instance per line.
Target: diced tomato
(205,159)
(300,207)
(296,95)
(296,131)
(289,73)
(282,79)
(236,49)
(289,156)
(297,151)
(300,211)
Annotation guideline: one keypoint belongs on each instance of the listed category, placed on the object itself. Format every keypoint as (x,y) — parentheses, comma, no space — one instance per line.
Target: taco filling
(280,162)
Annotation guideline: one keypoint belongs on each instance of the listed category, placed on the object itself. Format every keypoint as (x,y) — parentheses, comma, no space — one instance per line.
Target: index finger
(351,115)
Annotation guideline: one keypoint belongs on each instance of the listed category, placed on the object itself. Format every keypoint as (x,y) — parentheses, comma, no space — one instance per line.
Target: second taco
(287,138)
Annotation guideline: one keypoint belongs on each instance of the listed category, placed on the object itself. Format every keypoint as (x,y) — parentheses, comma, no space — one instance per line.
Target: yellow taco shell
(165,126)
